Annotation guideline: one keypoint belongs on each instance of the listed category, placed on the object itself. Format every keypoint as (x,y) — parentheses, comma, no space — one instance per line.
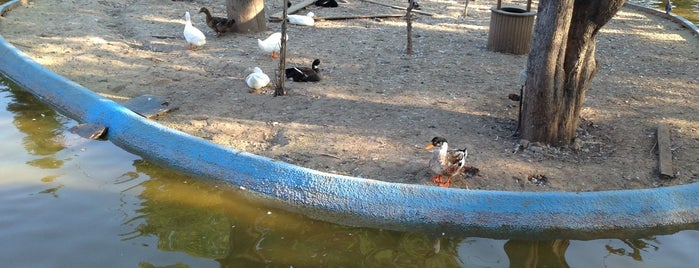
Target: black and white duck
(218,24)
(304,74)
(326,3)
(445,162)
(415,4)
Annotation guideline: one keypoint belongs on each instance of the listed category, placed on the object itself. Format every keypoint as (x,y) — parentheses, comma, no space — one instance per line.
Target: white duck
(307,20)
(272,44)
(257,79)
(195,38)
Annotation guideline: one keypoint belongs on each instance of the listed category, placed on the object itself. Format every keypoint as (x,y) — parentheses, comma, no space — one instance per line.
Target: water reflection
(635,248)
(42,125)
(164,211)
(192,216)
(209,220)
(545,253)
(688,9)
(195,226)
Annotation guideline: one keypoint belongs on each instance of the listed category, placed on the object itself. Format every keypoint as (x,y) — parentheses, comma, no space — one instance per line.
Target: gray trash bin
(511,29)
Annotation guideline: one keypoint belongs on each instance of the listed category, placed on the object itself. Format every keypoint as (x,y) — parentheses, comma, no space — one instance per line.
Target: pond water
(688,9)
(70,202)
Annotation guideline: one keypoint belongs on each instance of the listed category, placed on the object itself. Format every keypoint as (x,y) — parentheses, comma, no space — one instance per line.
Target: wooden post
(280,90)
(409,26)
(664,152)
(466,8)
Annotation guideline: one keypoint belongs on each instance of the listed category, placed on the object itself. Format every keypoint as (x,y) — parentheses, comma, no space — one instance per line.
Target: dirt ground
(376,107)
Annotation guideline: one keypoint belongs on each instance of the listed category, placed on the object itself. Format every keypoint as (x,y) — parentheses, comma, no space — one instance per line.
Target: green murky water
(69,202)
(689,9)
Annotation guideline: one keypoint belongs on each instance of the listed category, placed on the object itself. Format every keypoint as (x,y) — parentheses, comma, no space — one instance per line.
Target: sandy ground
(376,107)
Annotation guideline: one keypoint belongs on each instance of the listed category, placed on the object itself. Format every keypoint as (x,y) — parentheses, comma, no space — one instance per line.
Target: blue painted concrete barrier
(364,202)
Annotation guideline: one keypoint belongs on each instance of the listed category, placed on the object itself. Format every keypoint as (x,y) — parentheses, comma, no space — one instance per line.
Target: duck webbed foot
(441,183)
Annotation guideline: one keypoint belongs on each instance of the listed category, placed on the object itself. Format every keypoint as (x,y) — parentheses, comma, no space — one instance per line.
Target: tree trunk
(561,66)
(249,15)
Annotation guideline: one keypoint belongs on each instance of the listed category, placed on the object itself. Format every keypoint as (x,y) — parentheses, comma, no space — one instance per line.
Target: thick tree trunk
(249,15)
(543,99)
(561,66)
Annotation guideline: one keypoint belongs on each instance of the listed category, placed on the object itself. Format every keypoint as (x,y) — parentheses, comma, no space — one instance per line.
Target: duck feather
(257,79)
(195,38)
(304,74)
(271,44)
(445,162)
(305,20)
(218,24)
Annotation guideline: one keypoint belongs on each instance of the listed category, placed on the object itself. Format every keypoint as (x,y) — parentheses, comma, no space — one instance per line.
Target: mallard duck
(305,20)
(218,24)
(257,79)
(445,162)
(304,74)
(272,44)
(195,38)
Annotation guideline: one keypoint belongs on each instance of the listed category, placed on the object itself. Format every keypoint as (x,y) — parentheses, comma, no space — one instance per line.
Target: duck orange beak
(429,146)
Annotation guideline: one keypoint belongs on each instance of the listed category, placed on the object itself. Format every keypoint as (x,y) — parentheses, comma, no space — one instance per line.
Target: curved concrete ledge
(657,12)
(363,202)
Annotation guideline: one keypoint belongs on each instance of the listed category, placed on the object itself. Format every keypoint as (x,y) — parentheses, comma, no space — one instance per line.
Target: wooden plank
(89,131)
(149,106)
(664,152)
(290,10)
(401,8)
(350,17)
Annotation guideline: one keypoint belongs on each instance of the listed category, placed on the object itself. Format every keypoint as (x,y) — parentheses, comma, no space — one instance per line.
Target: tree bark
(561,66)
(249,15)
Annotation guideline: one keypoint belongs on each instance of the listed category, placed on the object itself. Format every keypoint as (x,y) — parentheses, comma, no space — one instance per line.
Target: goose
(257,79)
(195,38)
(218,24)
(305,20)
(445,162)
(304,74)
(272,44)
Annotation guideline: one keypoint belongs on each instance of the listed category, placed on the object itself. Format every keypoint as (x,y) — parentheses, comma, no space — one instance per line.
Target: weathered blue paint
(363,202)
